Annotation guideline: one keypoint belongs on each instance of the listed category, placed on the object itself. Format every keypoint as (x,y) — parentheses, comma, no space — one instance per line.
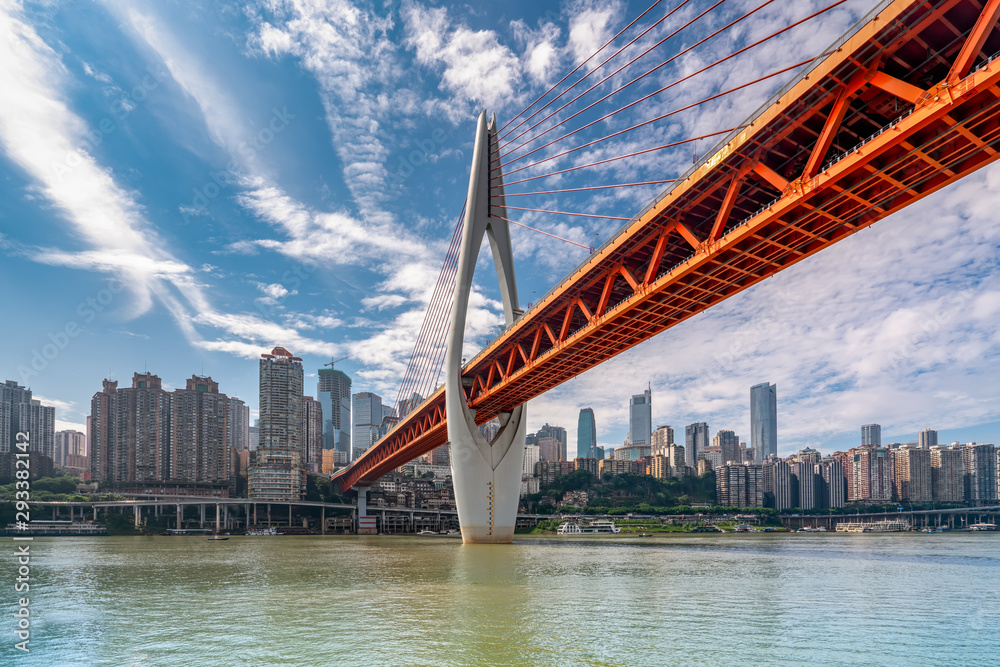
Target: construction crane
(333,361)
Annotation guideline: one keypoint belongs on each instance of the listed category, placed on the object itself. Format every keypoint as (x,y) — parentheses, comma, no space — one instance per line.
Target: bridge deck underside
(891,116)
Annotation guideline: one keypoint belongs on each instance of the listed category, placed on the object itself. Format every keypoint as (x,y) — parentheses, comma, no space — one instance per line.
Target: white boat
(983,526)
(885,526)
(426,532)
(598,527)
(263,531)
(601,526)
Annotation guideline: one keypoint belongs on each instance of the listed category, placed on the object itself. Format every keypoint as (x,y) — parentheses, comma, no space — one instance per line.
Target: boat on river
(597,527)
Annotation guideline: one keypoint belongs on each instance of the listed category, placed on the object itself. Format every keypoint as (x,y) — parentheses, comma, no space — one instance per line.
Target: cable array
(543,115)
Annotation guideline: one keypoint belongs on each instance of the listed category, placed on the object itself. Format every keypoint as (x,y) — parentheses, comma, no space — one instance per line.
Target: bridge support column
(135,513)
(366,524)
(486,474)
(216,517)
(201,523)
(180,516)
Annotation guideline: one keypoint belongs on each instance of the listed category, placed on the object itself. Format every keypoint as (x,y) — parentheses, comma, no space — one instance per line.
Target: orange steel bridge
(897,110)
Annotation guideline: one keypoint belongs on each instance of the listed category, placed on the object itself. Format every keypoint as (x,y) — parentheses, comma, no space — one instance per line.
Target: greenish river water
(734,599)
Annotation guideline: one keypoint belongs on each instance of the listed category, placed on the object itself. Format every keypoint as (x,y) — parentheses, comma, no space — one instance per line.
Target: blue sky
(187,184)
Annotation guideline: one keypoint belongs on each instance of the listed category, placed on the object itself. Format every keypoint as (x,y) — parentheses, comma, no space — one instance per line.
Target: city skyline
(894,324)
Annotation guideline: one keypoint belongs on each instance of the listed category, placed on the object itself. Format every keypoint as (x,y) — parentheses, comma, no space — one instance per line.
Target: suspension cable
(592,187)
(617,71)
(514,222)
(681,80)
(579,215)
(599,66)
(591,57)
(644,123)
(628,155)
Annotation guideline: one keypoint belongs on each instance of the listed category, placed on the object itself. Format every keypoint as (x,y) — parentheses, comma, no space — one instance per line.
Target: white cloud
(476,67)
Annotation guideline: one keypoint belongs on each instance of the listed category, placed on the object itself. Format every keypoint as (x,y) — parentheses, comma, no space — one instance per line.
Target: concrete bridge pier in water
(486,474)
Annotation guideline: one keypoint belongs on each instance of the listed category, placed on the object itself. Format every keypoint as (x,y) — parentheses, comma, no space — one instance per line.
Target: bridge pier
(201,523)
(486,474)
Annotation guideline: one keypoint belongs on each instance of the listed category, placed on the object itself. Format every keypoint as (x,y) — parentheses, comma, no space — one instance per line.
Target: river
(733,599)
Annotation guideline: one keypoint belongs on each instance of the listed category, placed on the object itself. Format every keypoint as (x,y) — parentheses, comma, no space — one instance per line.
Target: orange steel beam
(722,217)
(987,21)
(952,129)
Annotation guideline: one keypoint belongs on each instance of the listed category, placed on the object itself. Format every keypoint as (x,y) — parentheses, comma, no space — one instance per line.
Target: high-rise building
(441,455)
(728,444)
(833,486)
(19,412)
(678,464)
(238,423)
(599,453)
(661,439)
(69,444)
(979,463)
(871,435)
(804,491)
(558,433)
(659,467)
(947,468)
(368,414)
(279,473)
(911,474)
(550,449)
(777,484)
(869,474)
(199,445)
(764,419)
(531,457)
(640,419)
(632,452)
(809,455)
(253,437)
(130,431)
(740,485)
(586,435)
(927,438)
(590,465)
(550,471)
(333,391)
(695,442)
(312,436)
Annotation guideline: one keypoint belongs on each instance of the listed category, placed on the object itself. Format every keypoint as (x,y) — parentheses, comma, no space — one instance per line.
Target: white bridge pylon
(486,474)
